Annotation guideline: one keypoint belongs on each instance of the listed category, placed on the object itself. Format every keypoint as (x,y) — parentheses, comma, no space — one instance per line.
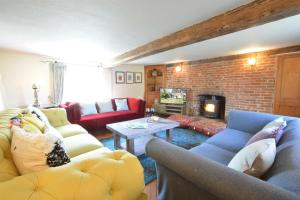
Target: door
(287,99)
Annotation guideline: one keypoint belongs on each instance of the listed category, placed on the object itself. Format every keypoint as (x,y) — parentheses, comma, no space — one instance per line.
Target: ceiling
(98,30)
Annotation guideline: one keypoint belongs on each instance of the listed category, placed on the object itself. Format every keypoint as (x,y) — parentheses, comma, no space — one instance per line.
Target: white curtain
(57,77)
(87,84)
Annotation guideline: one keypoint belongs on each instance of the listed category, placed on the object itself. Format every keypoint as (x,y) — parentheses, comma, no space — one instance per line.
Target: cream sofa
(94,173)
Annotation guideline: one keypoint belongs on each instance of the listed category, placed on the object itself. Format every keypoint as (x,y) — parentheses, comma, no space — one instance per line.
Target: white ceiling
(282,33)
(97,30)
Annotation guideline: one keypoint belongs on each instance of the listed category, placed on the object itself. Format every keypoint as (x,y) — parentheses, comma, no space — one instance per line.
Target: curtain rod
(96,64)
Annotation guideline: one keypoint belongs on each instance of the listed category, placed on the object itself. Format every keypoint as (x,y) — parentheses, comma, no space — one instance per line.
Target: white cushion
(88,109)
(121,104)
(105,106)
(29,149)
(256,158)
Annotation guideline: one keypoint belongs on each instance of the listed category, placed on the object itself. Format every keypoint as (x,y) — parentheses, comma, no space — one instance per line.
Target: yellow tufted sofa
(94,173)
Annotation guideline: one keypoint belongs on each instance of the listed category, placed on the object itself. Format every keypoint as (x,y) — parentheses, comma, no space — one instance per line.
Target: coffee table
(131,135)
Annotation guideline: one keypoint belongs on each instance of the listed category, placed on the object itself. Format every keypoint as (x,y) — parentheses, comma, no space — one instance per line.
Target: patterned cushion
(207,126)
(182,119)
(34,152)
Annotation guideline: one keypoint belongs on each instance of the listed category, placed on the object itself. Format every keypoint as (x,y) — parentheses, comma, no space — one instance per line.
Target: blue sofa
(202,172)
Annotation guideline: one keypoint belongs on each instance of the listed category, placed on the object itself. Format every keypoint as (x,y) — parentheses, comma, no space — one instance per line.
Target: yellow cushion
(97,153)
(70,130)
(29,127)
(56,116)
(31,118)
(82,143)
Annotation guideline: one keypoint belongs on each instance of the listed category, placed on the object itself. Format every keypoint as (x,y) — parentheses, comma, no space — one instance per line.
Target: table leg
(169,135)
(130,145)
(117,141)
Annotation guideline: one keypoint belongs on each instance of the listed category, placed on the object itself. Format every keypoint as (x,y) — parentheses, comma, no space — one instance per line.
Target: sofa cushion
(82,143)
(101,152)
(98,121)
(39,114)
(230,139)
(56,116)
(256,158)
(108,115)
(121,104)
(214,153)
(88,109)
(105,106)
(35,151)
(274,129)
(285,171)
(70,130)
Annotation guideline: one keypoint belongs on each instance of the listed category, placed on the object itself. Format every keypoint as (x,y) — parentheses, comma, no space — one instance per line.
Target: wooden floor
(151,188)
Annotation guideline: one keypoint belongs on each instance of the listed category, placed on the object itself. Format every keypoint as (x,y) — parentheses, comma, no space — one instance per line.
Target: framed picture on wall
(129,77)
(120,77)
(138,77)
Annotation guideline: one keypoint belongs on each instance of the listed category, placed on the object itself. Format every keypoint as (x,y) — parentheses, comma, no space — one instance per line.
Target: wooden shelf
(168,109)
(153,83)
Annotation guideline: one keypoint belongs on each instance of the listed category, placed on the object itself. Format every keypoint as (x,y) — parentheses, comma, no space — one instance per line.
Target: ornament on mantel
(36,90)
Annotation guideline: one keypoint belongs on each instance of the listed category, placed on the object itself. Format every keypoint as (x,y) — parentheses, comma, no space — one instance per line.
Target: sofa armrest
(56,116)
(142,108)
(73,111)
(204,177)
(115,175)
(137,105)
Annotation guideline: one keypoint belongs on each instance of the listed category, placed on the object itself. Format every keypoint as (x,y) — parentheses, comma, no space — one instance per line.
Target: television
(172,96)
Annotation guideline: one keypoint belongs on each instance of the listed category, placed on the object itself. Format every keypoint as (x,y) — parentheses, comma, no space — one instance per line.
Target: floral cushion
(207,126)
(182,119)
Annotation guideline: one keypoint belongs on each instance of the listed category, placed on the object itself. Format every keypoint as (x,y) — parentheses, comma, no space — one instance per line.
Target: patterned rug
(181,137)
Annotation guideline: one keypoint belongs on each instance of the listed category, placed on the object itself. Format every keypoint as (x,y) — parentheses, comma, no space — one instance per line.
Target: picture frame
(120,77)
(129,77)
(138,77)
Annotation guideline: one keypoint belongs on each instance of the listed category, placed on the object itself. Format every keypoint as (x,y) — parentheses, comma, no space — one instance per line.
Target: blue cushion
(121,104)
(213,152)
(230,139)
(88,109)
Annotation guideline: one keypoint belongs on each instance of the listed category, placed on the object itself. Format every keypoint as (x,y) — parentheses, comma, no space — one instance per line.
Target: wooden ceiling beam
(250,15)
(279,51)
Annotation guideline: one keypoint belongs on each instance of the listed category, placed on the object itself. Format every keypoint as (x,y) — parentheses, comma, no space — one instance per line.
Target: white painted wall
(19,71)
(128,90)
(1,91)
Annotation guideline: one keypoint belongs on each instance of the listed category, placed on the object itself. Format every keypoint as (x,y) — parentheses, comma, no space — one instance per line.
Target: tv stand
(170,109)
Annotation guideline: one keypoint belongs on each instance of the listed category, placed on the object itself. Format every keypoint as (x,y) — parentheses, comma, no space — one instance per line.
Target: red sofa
(99,121)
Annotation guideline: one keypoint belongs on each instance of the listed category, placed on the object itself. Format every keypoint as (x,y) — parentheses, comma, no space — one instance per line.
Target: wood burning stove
(212,106)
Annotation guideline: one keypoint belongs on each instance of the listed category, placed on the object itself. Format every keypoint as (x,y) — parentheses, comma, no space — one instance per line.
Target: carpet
(181,137)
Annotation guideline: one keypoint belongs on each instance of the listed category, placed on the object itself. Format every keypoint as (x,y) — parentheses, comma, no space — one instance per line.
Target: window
(87,84)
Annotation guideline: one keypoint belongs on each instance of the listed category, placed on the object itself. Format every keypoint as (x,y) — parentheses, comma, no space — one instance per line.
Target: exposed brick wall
(245,87)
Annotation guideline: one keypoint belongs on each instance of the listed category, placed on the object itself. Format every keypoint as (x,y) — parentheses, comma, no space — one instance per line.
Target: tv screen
(172,96)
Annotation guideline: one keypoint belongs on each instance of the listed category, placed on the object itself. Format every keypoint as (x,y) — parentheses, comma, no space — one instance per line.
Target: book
(137,125)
